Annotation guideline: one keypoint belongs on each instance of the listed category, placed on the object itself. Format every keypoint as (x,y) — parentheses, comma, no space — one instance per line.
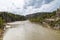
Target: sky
(24,7)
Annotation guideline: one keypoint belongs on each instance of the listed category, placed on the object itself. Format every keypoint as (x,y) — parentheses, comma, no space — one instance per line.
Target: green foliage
(10,17)
(37,19)
(1,23)
(42,17)
(52,24)
(58,22)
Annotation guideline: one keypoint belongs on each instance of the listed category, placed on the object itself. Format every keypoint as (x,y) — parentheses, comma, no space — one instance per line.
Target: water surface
(26,30)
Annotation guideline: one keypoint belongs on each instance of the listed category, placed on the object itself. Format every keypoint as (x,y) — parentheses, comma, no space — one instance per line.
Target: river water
(26,30)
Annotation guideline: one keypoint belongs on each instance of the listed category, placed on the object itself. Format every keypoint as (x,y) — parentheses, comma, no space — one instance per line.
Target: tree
(1,23)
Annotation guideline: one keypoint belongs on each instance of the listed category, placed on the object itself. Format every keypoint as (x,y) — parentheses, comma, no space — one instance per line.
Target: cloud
(11,5)
(48,1)
(49,7)
(25,7)
(36,3)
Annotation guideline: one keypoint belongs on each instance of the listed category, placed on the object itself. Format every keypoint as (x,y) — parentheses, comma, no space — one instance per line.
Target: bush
(1,23)
(38,19)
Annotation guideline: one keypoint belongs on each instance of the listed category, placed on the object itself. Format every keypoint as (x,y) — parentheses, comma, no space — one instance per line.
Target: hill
(41,14)
(52,19)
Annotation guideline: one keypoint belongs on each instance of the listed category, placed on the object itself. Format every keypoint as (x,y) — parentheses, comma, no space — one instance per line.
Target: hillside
(41,14)
(51,19)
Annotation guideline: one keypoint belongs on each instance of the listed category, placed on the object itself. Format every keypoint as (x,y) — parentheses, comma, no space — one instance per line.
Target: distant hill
(41,14)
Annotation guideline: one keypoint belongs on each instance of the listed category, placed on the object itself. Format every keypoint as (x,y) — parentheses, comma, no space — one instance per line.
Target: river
(25,30)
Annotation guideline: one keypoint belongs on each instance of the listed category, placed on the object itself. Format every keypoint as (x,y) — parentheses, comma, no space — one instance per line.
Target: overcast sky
(25,7)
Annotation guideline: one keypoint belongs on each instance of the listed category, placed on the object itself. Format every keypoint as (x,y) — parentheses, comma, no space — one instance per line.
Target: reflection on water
(29,31)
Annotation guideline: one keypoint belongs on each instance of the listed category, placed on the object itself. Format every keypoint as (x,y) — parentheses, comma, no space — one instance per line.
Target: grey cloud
(48,1)
(36,3)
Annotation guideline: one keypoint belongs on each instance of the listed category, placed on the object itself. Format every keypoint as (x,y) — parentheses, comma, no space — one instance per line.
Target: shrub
(1,23)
